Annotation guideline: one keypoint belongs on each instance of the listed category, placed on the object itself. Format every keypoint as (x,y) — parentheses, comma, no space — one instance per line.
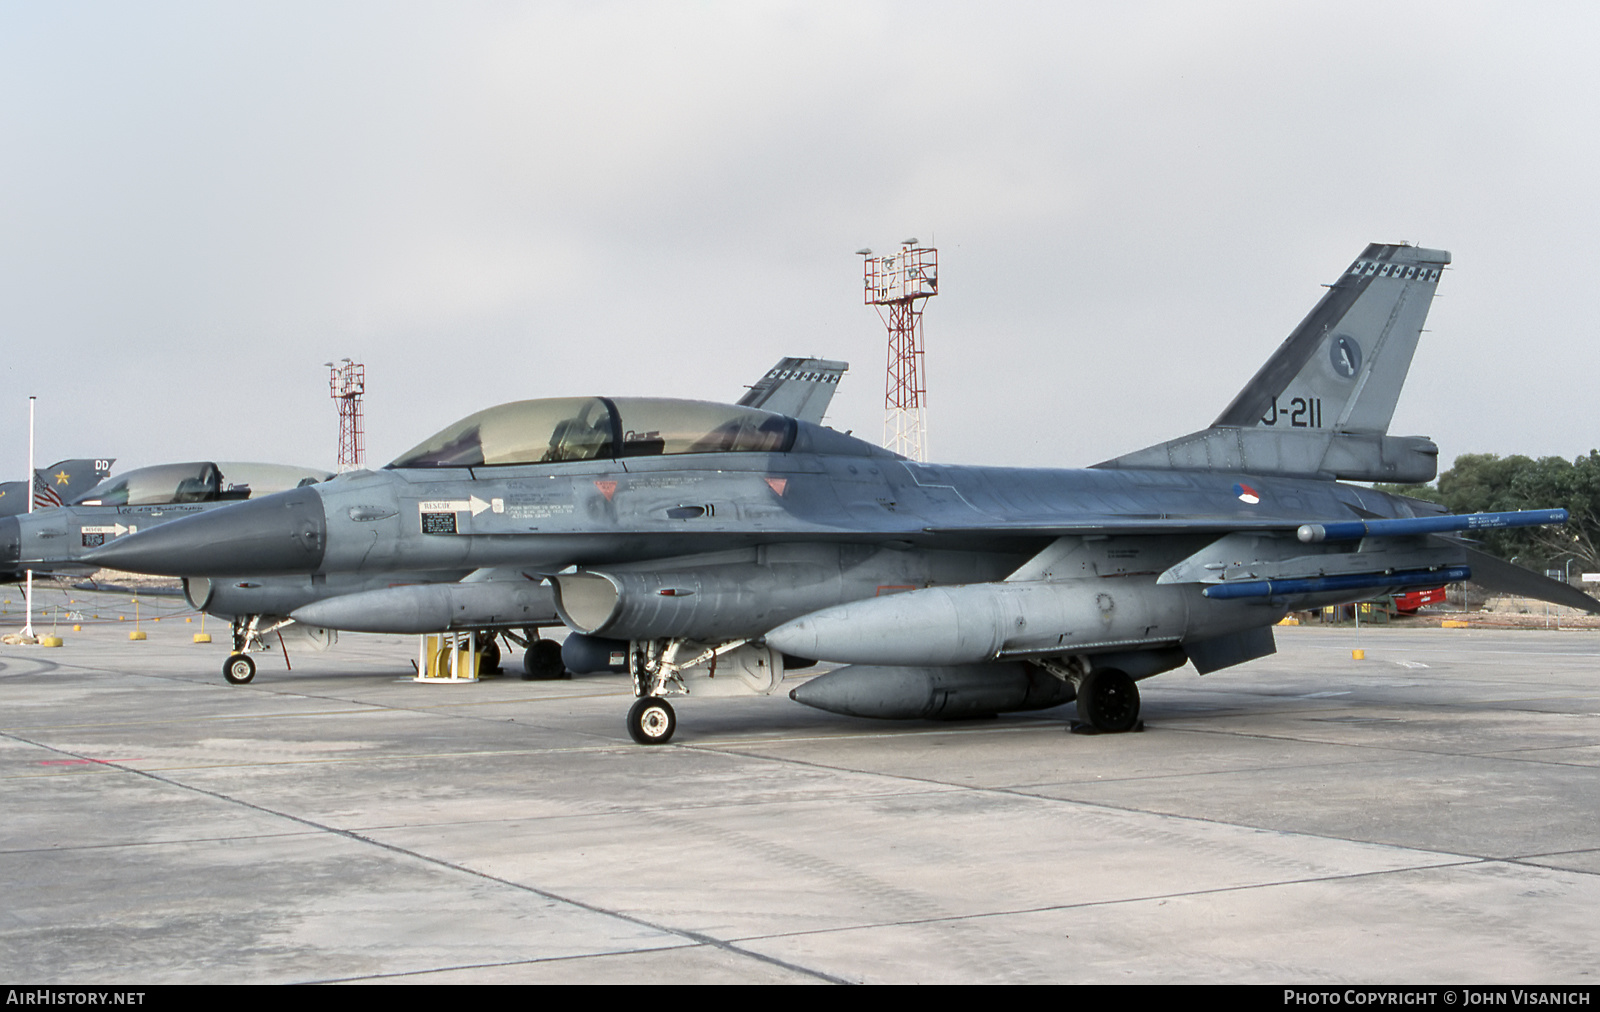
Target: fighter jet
(704,547)
(54,540)
(259,604)
(61,482)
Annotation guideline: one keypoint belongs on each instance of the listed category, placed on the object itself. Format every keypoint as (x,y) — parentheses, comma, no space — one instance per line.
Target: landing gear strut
(677,667)
(488,654)
(1108,700)
(248,635)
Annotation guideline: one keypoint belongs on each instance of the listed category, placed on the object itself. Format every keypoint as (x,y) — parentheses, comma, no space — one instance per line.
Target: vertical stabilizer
(1343,367)
(61,482)
(1321,405)
(799,387)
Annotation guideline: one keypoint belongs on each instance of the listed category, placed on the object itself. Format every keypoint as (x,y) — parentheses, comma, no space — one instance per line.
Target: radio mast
(897,285)
(346,384)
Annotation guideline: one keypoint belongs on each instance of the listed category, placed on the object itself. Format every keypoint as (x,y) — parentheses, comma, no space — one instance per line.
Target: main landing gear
(1108,701)
(542,661)
(1108,698)
(541,658)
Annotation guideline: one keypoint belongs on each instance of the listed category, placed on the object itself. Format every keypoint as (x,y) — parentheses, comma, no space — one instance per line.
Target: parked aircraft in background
(54,540)
(702,547)
(61,482)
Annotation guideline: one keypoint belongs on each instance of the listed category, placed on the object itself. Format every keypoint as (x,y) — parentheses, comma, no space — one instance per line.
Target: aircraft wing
(1257,558)
(1307,532)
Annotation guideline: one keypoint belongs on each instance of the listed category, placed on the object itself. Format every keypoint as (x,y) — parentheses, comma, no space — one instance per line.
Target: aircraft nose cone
(283,533)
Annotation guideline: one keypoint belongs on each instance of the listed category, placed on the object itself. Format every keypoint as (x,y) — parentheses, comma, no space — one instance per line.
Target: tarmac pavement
(1428,814)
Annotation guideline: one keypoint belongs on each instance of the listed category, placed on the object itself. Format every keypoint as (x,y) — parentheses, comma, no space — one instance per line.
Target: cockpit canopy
(196,481)
(595,428)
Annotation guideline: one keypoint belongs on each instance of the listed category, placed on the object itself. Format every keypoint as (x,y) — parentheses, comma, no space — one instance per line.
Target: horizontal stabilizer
(1342,456)
(1506,578)
(798,387)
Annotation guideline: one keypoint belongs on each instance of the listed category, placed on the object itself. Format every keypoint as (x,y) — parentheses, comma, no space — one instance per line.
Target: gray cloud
(200,204)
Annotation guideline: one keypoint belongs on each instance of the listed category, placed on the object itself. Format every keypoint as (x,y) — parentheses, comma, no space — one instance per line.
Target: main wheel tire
(542,661)
(238,669)
(489,656)
(651,721)
(1109,701)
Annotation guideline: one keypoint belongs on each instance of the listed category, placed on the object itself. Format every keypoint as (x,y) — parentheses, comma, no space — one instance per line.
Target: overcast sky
(1134,203)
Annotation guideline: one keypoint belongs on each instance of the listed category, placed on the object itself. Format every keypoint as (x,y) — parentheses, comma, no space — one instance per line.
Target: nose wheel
(238,669)
(651,721)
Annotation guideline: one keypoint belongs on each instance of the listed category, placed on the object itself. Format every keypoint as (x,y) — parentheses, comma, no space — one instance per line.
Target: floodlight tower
(897,285)
(346,384)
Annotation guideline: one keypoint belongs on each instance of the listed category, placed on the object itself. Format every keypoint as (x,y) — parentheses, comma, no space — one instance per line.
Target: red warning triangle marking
(778,484)
(607,488)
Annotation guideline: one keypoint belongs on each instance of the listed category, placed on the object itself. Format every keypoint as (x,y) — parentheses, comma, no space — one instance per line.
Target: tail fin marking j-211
(1321,405)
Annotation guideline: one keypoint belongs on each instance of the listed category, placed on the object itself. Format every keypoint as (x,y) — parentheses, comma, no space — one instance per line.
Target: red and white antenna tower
(896,285)
(346,384)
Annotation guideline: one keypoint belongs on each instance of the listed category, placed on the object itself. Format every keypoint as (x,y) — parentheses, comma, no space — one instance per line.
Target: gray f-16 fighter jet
(704,547)
(56,539)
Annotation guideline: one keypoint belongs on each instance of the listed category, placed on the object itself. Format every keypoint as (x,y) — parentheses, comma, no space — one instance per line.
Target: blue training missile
(1355,530)
(1349,581)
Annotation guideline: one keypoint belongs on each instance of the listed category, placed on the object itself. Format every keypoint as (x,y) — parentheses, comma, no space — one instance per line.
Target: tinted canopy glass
(198,481)
(651,426)
(153,486)
(592,428)
(522,432)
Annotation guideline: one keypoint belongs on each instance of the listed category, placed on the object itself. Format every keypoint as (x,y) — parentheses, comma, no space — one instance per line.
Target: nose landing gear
(249,635)
(651,721)
(238,669)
